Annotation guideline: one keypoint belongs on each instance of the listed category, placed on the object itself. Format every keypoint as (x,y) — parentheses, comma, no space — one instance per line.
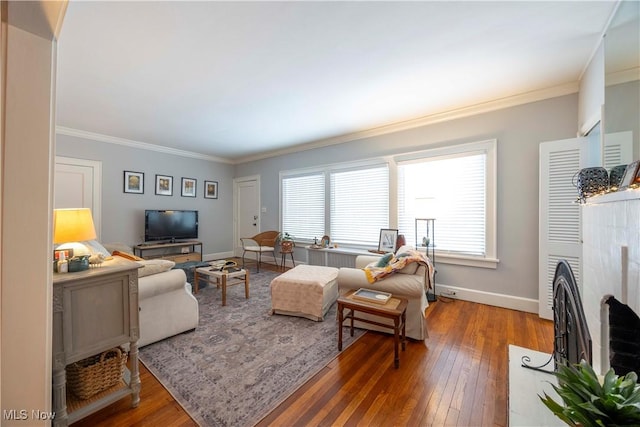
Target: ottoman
(306,291)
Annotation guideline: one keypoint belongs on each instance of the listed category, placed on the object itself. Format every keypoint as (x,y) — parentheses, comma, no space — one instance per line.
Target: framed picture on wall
(164,185)
(211,189)
(133,182)
(188,187)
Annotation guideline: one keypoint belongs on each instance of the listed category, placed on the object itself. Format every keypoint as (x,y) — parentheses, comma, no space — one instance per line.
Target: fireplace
(572,341)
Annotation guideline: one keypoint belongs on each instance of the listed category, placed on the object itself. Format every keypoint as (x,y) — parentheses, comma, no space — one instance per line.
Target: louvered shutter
(618,149)
(559,216)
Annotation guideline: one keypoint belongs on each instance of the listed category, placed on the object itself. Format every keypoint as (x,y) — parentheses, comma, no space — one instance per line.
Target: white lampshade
(71,226)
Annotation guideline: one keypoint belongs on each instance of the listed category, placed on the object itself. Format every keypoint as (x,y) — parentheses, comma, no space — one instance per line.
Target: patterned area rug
(241,362)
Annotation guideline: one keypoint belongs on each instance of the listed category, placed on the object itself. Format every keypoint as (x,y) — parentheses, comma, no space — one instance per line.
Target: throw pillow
(384,260)
(154,266)
(96,248)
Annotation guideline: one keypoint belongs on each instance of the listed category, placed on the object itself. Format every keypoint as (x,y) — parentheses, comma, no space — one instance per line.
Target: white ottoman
(306,291)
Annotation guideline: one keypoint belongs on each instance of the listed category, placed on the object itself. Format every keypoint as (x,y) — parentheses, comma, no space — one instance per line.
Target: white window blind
(359,205)
(303,205)
(454,189)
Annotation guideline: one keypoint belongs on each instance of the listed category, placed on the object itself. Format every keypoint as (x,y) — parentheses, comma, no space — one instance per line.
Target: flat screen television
(170,225)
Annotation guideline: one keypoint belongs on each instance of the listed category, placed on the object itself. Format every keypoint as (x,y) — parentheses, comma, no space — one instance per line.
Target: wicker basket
(94,374)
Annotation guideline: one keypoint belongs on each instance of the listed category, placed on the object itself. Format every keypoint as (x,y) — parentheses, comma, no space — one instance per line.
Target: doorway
(246,209)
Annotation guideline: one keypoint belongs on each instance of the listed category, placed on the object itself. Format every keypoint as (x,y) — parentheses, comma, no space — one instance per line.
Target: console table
(178,252)
(93,311)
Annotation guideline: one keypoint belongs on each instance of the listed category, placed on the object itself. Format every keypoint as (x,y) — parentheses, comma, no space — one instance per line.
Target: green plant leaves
(591,403)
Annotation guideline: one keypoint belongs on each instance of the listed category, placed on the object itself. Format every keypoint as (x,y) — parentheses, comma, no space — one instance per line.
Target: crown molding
(459,113)
(624,76)
(137,144)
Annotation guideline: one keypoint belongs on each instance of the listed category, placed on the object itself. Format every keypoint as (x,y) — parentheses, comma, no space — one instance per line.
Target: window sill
(468,261)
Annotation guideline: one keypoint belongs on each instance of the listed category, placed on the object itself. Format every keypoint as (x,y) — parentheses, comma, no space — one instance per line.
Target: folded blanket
(397,263)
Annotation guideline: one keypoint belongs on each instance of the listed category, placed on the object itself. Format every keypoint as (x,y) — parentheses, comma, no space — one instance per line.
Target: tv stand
(176,251)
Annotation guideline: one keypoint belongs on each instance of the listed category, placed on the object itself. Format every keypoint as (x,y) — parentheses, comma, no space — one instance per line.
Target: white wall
(519,130)
(591,97)
(27,170)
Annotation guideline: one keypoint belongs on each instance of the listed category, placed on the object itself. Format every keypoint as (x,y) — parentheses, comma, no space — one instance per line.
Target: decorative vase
(401,241)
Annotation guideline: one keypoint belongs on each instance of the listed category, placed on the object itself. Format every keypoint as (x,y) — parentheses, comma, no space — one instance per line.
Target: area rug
(241,362)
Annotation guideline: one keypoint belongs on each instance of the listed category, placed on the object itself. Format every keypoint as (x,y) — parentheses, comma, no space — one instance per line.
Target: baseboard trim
(499,300)
(217,255)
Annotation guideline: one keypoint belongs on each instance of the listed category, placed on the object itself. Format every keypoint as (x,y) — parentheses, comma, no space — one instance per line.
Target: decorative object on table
(70,228)
(630,175)
(591,181)
(94,374)
(133,182)
(615,176)
(401,241)
(188,187)
(224,265)
(592,402)
(372,296)
(286,248)
(164,185)
(62,265)
(79,263)
(96,260)
(324,242)
(388,239)
(211,189)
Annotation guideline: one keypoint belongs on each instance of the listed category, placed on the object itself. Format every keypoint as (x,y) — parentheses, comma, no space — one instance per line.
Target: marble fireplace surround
(610,263)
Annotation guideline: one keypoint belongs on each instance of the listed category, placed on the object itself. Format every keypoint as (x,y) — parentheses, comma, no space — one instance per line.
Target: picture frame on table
(164,185)
(211,189)
(133,182)
(388,240)
(630,176)
(189,187)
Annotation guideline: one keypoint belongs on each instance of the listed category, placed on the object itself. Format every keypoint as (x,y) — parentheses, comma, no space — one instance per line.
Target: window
(359,205)
(456,186)
(303,205)
(352,211)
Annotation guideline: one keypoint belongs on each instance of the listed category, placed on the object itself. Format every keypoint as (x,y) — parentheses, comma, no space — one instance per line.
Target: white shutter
(559,216)
(359,205)
(618,149)
(303,206)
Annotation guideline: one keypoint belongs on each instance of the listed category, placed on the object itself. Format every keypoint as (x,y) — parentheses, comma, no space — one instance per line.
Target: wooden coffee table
(395,309)
(221,279)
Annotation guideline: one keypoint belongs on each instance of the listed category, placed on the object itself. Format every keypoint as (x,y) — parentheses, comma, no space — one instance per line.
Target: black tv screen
(170,225)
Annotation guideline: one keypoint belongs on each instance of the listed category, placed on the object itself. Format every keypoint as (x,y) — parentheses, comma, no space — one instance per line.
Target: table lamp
(71,227)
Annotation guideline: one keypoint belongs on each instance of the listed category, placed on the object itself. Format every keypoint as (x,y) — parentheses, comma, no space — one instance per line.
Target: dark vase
(401,241)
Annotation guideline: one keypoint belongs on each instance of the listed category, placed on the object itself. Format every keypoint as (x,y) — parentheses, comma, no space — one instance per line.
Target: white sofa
(167,305)
(410,282)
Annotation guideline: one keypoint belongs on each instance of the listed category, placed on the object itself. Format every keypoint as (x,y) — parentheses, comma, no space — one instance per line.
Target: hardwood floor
(457,377)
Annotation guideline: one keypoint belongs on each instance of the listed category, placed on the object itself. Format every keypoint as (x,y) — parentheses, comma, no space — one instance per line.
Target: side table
(395,309)
(221,279)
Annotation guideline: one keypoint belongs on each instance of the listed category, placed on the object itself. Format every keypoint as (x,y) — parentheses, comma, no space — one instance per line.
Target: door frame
(236,184)
(96,166)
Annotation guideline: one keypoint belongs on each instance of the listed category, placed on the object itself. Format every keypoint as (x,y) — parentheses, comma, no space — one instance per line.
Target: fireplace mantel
(610,262)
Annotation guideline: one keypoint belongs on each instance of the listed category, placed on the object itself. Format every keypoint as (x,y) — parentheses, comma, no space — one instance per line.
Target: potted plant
(286,242)
(592,401)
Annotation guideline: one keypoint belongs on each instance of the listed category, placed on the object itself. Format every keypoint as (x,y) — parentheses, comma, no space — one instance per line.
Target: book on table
(369,295)
(224,265)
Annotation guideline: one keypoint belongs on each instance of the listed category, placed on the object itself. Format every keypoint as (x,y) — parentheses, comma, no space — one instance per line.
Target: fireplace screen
(572,339)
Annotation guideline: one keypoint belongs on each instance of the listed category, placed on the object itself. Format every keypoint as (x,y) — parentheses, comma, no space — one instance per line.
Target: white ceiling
(237,79)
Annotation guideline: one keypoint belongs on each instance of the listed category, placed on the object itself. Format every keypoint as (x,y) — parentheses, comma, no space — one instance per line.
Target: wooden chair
(261,242)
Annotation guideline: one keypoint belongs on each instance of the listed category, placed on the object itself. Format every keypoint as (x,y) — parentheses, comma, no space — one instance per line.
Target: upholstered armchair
(411,282)
(261,242)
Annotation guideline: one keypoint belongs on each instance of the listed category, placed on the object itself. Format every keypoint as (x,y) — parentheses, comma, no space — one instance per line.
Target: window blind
(303,206)
(359,205)
(455,187)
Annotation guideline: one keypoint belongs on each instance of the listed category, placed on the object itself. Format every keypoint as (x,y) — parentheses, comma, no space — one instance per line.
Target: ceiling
(236,80)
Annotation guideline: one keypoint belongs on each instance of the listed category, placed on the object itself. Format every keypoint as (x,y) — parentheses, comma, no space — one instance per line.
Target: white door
(247,210)
(560,215)
(77,184)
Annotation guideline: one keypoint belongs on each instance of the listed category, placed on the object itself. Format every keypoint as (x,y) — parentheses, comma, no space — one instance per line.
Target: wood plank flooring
(457,377)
